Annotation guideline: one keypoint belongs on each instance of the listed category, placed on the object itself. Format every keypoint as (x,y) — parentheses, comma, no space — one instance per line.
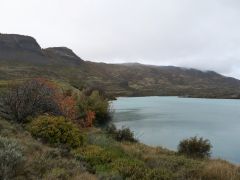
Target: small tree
(94,103)
(195,147)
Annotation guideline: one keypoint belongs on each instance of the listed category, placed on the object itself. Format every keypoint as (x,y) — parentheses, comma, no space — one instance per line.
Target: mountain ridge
(23,57)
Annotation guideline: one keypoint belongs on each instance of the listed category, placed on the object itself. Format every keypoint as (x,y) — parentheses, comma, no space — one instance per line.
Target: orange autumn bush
(66,101)
(67,104)
(89,119)
(39,96)
(34,97)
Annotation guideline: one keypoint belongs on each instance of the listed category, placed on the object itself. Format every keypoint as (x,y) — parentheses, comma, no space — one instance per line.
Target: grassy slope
(103,158)
(123,80)
(42,161)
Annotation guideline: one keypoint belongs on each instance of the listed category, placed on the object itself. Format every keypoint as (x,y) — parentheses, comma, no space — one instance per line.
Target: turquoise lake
(164,121)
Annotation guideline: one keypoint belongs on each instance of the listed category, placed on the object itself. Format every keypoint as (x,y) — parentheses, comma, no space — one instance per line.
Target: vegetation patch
(58,121)
(195,147)
(56,130)
(124,134)
(11,157)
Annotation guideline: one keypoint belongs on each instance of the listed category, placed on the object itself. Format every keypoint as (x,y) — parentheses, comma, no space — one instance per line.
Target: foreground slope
(21,57)
(101,157)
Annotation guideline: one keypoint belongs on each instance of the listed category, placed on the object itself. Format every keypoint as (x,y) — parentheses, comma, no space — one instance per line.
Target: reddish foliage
(89,119)
(39,96)
(68,106)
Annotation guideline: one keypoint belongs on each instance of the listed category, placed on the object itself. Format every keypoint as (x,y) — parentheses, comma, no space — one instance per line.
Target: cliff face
(18,48)
(16,42)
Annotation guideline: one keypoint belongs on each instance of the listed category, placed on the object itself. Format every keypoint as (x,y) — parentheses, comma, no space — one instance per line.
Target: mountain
(22,57)
(17,48)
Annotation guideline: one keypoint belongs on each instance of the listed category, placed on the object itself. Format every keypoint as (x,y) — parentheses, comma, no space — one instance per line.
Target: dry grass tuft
(220,170)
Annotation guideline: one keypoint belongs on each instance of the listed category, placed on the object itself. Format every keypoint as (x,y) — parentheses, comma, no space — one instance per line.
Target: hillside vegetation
(60,138)
(21,57)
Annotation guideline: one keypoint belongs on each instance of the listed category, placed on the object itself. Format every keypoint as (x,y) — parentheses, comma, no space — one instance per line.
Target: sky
(201,34)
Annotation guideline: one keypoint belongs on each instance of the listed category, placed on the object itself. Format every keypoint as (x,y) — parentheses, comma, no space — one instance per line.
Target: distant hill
(22,57)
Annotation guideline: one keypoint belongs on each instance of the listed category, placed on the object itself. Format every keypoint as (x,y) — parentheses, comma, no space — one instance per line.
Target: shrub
(101,139)
(111,129)
(88,121)
(11,158)
(67,103)
(35,97)
(195,147)
(56,130)
(95,103)
(124,134)
(57,173)
(29,99)
(129,168)
(51,164)
(159,173)
(98,159)
(95,155)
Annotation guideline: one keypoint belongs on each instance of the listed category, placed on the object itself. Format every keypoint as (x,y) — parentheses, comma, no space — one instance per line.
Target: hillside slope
(102,158)
(22,57)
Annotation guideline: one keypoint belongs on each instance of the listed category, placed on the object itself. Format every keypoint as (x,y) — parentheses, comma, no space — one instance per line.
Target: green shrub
(124,134)
(159,173)
(96,155)
(129,168)
(52,165)
(111,129)
(56,131)
(57,173)
(195,147)
(11,158)
(95,103)
(98,159)
(101,139)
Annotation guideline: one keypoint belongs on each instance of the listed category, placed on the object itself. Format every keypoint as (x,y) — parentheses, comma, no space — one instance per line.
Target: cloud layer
(201,34)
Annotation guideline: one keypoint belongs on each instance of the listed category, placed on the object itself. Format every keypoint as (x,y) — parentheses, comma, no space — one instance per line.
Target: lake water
(164,121)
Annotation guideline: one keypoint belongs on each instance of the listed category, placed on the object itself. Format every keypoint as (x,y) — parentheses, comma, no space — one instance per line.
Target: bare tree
(28,99)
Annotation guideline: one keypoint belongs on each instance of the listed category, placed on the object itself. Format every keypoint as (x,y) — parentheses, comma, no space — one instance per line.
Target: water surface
(164,121)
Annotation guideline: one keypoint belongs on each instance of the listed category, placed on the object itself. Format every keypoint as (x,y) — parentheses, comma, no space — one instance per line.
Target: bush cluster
(195,147)
(11,158)
(30,98)
(96,103)
(51,164)
(130,168)
(38,96)
(56,130)
(124,134)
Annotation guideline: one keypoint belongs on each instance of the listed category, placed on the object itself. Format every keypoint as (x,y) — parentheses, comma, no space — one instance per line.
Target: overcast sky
(203,34)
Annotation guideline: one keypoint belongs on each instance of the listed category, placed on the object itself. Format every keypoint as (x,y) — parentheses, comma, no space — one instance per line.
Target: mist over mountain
(21,57)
